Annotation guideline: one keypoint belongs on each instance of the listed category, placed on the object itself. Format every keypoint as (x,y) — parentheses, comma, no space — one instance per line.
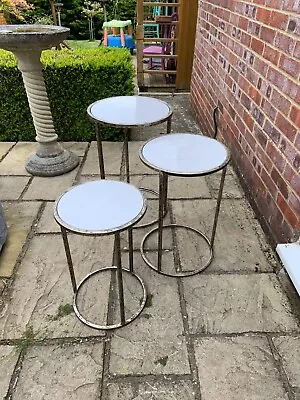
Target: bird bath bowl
(27,43)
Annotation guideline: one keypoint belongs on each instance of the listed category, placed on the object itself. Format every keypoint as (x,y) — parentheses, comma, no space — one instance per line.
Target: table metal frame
(126,129)
(65,228)
(163,199)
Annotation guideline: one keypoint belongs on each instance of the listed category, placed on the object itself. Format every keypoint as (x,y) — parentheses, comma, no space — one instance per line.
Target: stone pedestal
(27,43)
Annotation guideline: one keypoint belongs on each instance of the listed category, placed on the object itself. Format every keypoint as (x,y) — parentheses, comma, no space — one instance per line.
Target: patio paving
(230,333)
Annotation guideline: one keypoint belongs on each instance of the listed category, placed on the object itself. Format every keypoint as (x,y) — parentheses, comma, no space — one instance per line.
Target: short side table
(185,155)
(101,208)
(128,112)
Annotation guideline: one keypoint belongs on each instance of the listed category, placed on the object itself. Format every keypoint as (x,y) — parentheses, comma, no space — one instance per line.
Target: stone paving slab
(232,188)
(139,233)
(19,219)
(112,153)
(42,294)
(49,188)
(47,223)
(61,372)
(288,348)
(136,165)
(178,188)
(14,162)
(237,246)
(181,390)
(5,147)
(237,368)
(12,187)
(159,327)
(8,359)
(223,304)
(78,148)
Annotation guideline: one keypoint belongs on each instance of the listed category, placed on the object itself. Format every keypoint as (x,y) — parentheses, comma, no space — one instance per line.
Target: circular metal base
(154,221)
(113,326)
(179,274)
(53,165)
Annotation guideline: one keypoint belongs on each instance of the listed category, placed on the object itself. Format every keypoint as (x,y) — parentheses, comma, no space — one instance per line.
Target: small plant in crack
(163,361)
(63,311)
(148,300)
(145,315)
(27,339)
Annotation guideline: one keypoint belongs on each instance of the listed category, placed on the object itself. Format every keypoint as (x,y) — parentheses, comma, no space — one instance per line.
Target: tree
(91,10)
(12,10)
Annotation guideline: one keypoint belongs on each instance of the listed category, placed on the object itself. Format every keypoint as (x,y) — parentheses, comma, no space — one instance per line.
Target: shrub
(74,79)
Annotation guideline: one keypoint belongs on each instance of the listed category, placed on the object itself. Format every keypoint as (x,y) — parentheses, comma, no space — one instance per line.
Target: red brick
(248,120)
(293,90)
(277,78)
(245,39)
(272,132)
(267,34)
(260,136)
(294,202)
(280,182)
(268,109)
(263,15)
(287,212)
(280,102)
(272,188)
(276,157)
(296,52)
(286,127)
(260,66)
(289,5)
(255,95)
(289,65)
(243,23)
(289,151)
(257,45)
(295,115)
(284,43)
(279,20)
(271,55)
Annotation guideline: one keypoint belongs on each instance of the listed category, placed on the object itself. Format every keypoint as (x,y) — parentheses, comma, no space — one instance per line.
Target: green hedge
(74,79)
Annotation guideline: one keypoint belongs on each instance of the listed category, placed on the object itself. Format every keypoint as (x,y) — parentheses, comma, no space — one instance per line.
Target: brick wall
(247,61)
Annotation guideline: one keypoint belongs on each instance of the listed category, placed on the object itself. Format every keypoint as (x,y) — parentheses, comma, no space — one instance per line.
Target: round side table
(101,208)
(185,155)
(128,112)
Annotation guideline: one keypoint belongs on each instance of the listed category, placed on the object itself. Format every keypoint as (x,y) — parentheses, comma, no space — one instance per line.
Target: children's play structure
(115,36)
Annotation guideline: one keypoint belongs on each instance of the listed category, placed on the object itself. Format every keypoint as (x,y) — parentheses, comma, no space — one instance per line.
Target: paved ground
(230,333)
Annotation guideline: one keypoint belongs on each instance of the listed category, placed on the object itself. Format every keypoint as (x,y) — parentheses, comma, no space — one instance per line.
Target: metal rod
(119,277)
(218,207)
(100,151)
(130,246)
(169,123)
(215,122)
(165,194)
(69,258)
(162,200)
(126,153)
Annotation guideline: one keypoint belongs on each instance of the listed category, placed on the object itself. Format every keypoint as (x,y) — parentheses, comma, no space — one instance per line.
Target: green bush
(74,79)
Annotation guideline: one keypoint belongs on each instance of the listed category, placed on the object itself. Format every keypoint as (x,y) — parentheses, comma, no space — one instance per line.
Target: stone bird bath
(27,42)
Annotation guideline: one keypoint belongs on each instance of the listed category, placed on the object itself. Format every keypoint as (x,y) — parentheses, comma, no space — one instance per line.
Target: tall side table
(128,112)
(101,208)
(183,155)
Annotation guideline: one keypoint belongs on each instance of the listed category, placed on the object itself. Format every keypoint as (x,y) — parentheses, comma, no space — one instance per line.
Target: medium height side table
(183,155)
(101,208)
(128,112)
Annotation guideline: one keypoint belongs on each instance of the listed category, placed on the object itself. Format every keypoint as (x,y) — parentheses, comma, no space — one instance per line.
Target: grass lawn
(83,44)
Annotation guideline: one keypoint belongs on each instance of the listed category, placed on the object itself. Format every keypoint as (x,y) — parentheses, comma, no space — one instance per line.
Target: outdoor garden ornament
(27,43)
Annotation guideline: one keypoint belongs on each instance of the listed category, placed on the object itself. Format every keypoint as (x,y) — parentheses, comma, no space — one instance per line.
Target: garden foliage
(74,79)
